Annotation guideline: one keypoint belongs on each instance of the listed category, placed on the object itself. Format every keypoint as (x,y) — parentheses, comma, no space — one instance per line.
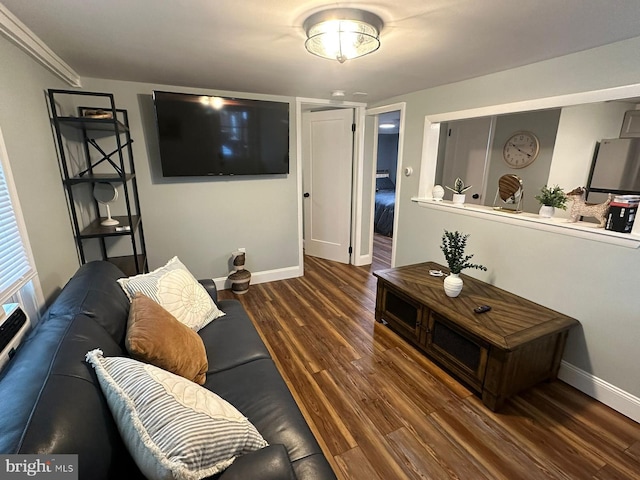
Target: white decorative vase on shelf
(546,211)
(453,285)
(458,198)
(438,193)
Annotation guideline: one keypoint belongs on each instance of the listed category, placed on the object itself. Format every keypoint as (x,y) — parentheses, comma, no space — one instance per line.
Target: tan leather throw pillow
(155,336)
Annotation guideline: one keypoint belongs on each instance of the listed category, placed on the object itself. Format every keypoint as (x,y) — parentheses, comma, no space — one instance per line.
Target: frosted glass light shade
(343,33)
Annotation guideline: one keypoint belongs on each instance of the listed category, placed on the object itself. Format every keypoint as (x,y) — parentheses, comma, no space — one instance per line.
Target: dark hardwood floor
(382,411)
(381,252)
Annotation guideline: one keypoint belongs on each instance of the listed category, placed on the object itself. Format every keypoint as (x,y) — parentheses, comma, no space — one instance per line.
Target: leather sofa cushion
(210,286)
(259,392)
(232,340)
(269,463)
(72,417)
(56,347)
(60,409)
(155,336)
(313,467)
(94,292)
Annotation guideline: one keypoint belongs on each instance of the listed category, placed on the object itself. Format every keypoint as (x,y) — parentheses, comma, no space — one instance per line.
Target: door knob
(476,196)
(306,195)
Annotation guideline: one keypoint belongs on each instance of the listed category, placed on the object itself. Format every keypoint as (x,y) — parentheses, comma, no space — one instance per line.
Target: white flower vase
(453,285)
(546,211)
(458,198)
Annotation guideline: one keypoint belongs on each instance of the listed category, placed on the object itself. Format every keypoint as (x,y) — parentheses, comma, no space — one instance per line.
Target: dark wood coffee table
(515,345)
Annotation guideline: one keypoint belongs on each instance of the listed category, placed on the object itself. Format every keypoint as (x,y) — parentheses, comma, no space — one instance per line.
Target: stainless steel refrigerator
(615,169)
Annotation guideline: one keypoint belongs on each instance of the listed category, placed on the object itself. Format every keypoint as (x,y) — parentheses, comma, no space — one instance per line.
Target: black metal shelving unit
(108,157)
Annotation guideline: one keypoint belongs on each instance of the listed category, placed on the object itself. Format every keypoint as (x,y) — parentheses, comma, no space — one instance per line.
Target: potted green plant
(551,198)
(453,246)
(458,190)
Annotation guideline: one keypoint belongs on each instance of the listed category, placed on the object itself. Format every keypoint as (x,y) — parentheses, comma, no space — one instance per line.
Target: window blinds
(15,263)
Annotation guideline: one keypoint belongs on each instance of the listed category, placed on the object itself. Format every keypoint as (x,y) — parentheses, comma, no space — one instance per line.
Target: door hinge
(353,127)
(350,250)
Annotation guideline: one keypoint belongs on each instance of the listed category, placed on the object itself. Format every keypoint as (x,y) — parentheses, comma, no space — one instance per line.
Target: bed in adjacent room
(385,204)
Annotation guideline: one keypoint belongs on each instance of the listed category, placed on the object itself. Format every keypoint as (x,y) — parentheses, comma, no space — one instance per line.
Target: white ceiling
(257,45)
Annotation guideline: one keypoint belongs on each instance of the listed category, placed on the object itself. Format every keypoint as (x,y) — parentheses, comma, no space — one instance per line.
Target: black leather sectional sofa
(52,403)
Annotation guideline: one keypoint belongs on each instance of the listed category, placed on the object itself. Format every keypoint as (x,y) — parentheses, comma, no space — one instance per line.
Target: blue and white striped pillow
(177,291)
(173,428)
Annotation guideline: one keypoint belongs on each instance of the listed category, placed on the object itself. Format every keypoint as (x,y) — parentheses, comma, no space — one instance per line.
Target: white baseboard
(363,260)
(610,395)
(262,277)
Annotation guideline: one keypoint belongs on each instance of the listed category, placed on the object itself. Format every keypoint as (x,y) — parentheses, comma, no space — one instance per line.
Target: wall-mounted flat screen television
(201,135)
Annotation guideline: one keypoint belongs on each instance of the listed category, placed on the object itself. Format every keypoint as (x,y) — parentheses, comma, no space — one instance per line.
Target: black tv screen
(202,135)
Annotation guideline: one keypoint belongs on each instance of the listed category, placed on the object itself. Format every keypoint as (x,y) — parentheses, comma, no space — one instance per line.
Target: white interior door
(326,181)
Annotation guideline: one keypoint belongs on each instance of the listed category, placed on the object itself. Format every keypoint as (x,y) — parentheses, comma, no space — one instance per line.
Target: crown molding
(16,31)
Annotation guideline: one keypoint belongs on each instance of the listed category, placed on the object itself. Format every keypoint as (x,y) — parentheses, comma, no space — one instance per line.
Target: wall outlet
(242,249)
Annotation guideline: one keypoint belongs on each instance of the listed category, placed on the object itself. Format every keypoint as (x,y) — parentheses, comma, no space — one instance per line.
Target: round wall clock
(521,149)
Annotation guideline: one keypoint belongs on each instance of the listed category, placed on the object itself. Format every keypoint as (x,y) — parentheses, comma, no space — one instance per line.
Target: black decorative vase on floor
(240,278)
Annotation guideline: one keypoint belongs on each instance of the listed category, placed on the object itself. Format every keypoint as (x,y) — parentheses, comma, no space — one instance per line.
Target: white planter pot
(546,211)
(453,285)
(458,198)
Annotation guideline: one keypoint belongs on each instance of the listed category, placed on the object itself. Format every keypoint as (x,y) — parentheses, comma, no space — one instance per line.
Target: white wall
(202,220)
(24,119)
(593,282)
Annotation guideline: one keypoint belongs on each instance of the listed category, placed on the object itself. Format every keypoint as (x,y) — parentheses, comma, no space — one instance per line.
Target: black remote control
(482,309)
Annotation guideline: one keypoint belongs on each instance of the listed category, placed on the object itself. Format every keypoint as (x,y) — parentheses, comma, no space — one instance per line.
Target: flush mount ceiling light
(342,33)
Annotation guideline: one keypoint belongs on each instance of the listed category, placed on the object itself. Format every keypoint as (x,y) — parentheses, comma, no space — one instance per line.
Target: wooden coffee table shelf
(514,346)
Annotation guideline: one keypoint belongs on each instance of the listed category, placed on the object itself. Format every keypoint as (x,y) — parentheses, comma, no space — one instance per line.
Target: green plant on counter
(459,187)
(552,197)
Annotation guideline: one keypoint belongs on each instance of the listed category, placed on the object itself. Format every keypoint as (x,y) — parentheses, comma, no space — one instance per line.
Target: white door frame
(367,259)
(358,142)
